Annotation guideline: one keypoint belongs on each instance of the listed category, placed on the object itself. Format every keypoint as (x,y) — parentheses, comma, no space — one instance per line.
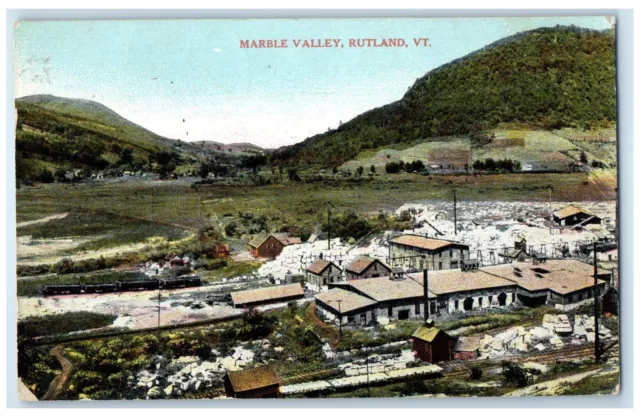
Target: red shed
(466,348)
(431,344)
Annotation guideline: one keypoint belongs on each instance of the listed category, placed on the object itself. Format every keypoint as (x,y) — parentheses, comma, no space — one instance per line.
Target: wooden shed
(466,348)
(261,382)
(431,344)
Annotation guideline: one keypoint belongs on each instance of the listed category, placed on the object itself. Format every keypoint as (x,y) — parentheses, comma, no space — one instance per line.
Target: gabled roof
(258,240)
(319,266)
(559,276)
(361,263)
(286,239)
(251,379)
(349,301)
(283,238)
(386,289)
(424,242)
(467,344)
(455,280)
(267,294)
(570,211)
(428,334)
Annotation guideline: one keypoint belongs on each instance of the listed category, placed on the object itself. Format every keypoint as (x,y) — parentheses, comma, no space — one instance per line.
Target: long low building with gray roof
(560,283)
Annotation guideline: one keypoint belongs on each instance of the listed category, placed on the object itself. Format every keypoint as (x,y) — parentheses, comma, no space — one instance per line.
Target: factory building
(419,252)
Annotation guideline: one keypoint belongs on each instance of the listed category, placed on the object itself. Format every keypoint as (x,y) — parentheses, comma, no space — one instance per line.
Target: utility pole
(425,278)
(329,205)
(368,386)
(550,213)
(595,304)
(158,306)
(339,318)
(455,214)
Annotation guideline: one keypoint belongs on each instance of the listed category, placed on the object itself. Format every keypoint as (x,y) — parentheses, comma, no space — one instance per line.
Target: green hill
(548,78)
(55,132)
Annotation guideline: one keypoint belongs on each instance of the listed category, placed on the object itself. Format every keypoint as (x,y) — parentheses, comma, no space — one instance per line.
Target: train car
(61,289)
(181,282)
(150,284)
(99,288)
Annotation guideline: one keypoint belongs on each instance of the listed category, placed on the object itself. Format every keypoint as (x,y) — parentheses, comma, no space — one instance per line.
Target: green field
(114,213)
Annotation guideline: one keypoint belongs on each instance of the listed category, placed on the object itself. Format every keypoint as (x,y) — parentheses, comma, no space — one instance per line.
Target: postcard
(316,208)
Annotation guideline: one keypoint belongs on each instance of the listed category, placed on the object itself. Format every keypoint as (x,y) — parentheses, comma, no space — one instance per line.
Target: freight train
(119,286)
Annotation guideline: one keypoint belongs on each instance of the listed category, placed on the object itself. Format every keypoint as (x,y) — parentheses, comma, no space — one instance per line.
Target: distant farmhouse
(364,267)
(270,245)
(574,215)
(560,283)
(421,252)
(322,272)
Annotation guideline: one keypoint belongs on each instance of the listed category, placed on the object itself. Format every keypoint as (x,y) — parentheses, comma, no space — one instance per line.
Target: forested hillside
(547,78)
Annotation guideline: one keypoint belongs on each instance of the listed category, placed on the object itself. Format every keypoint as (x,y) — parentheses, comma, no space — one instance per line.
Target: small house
(322,272)
(431,344)
(466,348)
(270,245)
(260,382)
(574,215)
(364,267)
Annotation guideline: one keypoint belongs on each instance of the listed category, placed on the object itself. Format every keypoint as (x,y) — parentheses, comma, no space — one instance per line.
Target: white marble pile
(190,373)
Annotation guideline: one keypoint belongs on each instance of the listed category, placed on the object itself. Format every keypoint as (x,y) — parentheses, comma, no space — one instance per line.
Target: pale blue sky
(270,97)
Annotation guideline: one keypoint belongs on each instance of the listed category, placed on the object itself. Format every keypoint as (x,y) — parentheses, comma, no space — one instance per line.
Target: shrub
(514,375)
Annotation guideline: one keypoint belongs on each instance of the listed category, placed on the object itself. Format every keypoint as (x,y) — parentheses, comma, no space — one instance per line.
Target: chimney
(428,323)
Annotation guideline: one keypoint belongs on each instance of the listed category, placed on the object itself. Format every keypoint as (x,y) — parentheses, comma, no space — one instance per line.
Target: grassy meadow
(111,213)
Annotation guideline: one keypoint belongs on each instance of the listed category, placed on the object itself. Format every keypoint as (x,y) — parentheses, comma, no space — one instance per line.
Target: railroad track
(295,379)
(577,352)
(208,394)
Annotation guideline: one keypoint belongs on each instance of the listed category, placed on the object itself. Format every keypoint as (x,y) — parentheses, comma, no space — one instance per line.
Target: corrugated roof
(319,266)
(267,294)
(428,334)
(570,211)
(560,276)
(349,301)
(467,344)
(361,263)
(385,289)
(423,242)
(250,379)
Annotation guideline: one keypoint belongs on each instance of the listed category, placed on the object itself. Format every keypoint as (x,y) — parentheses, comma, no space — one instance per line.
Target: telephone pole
(339,318)
(595,305)
(455,214)
(425,278)
(158,306)
(329,205)
(368,385)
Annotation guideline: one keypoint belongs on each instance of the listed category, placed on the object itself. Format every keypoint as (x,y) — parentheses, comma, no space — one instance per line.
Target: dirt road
(59,381)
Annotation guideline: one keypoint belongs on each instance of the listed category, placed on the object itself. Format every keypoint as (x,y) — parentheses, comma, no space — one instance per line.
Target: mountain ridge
(562,76)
